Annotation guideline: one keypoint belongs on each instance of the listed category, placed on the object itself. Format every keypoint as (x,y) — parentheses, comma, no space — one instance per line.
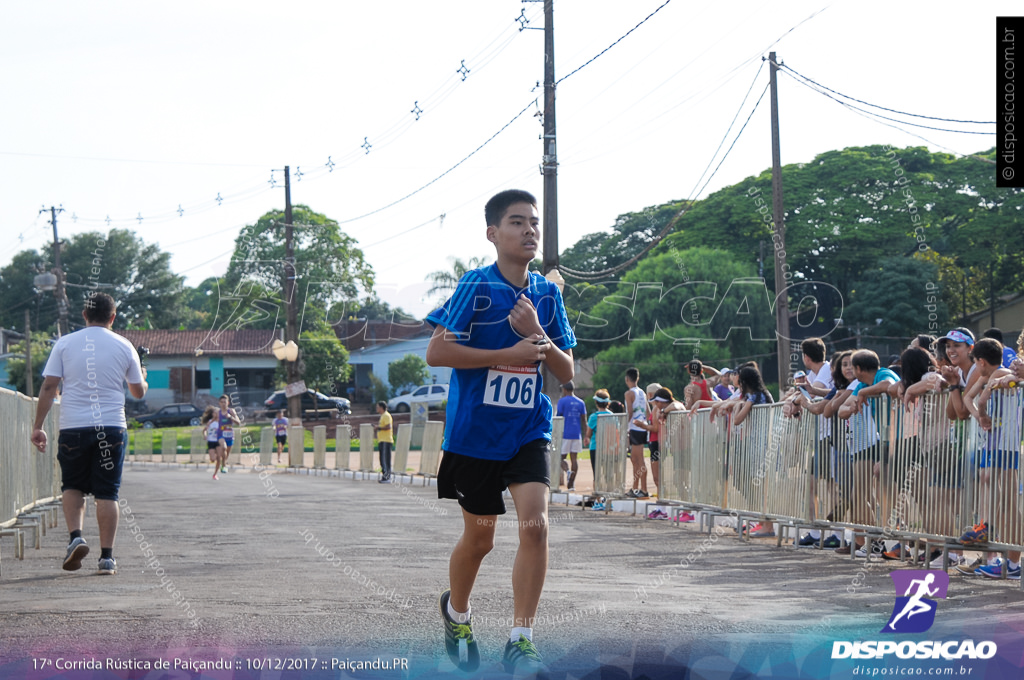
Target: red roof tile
(178,343)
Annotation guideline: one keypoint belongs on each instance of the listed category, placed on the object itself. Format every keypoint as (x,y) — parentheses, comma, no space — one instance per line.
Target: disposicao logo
(914,612)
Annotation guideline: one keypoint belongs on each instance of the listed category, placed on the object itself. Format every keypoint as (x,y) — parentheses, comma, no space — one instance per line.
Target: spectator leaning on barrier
(94,363)
(1008,354)
(999,458)
(723,385)
(872,381)
(956,347)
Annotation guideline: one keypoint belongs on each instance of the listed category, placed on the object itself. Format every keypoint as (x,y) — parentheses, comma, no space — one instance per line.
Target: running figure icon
(914,604)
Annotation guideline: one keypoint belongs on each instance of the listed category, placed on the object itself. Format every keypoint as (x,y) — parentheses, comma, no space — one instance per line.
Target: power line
(817,88)
(471,154)
(621,38)
(902,113)
(688,203)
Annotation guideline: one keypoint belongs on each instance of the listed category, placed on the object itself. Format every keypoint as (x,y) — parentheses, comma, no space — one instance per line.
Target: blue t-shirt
(1008,356)
(493,411)
(572,409)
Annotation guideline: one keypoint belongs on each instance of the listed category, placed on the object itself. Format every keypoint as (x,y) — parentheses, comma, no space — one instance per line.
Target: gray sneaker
(77,550)
(108,565)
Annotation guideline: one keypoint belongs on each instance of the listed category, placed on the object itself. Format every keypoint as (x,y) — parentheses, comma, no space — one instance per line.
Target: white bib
(511,386)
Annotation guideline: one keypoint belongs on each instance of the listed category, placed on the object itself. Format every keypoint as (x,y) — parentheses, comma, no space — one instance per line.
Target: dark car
(310,408)
(171,415)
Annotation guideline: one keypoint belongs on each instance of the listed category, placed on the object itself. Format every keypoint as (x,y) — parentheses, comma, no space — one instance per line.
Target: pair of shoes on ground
(809,541)
(759,530)
(520,659)
(686,517)
(77,551)
(657,513)
(637,493)
(994,569)
(875,548)
(384,480)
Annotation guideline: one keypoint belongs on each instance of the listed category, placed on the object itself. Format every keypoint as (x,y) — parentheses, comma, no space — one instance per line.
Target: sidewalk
(261,567)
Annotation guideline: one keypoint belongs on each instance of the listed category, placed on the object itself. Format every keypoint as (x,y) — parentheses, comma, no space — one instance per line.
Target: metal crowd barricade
(27,477)
(555,457)
(993,475)
(612,452)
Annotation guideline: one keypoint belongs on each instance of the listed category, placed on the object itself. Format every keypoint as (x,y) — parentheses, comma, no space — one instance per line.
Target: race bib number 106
(511,386)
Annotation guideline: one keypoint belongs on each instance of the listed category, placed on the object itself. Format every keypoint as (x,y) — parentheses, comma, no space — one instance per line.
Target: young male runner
(495,330)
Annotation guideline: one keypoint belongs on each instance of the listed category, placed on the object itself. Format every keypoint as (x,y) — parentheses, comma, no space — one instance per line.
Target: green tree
(329,269)
(409,371)
(324,360)
(897,291)
(41,346)
(136,274)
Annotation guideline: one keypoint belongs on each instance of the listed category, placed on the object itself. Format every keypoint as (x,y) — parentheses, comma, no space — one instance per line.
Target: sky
(127,110)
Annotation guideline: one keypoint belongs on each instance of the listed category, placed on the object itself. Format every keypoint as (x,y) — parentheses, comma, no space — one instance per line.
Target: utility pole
(28,354)
(60,293)
(291,331)
(550,157)
(779,237)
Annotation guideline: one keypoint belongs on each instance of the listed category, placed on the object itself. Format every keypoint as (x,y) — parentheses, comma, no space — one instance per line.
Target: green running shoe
(458,638)
(522,659)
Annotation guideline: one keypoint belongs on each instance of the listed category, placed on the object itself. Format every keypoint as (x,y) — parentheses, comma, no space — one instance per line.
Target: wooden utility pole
(549,164)
(779,235)
(60,292)
(28,354)
(291,325)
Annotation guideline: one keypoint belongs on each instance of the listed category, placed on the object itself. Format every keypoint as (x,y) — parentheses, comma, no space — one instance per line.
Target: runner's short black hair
(499,204)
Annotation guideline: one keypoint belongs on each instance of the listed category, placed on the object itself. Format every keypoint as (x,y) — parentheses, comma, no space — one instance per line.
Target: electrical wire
(471,154)
(592,276)
(902,113)
(621,38)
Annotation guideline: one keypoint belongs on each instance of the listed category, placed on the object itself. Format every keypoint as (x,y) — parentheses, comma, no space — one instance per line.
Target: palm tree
(444,281)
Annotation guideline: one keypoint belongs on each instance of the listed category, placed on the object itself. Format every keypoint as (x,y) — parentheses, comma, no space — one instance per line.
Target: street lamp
(285,352)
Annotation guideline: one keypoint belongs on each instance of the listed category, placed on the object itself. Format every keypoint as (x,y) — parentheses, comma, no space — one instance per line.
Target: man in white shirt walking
(93,363)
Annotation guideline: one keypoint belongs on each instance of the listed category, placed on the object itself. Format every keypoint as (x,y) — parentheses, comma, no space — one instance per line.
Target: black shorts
(478,483)
(655,451)
(91,459)
(281,438)
(211,445)
(637,437)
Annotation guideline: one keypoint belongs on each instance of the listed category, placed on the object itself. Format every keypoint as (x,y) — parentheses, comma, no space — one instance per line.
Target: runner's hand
(523,317)
(530,350)
(39,440)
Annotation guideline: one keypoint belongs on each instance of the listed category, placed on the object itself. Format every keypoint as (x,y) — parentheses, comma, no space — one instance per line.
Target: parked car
(431,395)
(171,415)
(310,408)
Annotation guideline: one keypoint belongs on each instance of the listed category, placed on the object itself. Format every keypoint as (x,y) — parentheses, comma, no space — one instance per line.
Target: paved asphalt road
(271,573)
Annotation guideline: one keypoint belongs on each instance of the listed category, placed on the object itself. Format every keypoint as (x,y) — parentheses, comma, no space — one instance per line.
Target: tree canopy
(329,269)
(136,274)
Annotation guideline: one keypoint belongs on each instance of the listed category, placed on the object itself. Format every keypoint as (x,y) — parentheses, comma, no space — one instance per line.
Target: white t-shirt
(94,363)
(823,376)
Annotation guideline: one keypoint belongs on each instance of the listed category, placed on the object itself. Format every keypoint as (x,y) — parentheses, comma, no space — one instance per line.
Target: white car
(430,395)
